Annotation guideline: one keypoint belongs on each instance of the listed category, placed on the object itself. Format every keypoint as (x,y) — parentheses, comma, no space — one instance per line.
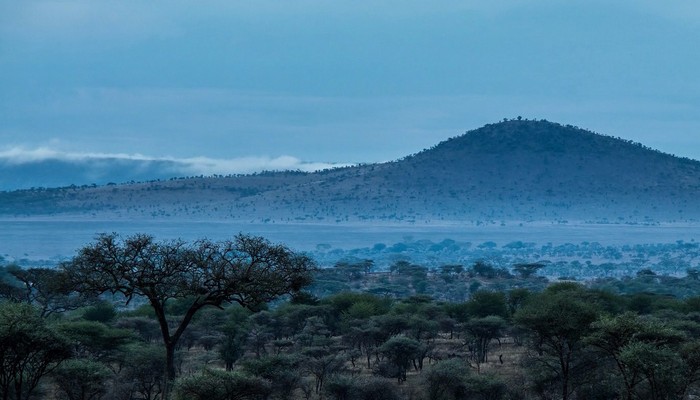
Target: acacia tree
(558,319)
(46,288)
(401,351)
(527,270)
(646,349)
(248,270)
(82,379)
(29,350)
(480,333)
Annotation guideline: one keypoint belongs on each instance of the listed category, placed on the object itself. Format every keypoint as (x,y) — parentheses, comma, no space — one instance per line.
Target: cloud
(179,166)
(228,126)
(21,155)
(244,165)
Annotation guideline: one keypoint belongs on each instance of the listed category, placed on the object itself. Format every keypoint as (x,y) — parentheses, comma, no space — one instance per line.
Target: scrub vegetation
(134,318)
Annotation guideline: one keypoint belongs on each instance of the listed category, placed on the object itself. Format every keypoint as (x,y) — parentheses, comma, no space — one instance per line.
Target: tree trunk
(170,361)
(170,372)
(565,376)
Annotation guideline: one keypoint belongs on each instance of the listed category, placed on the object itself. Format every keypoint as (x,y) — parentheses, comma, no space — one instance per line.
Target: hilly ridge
(517,170)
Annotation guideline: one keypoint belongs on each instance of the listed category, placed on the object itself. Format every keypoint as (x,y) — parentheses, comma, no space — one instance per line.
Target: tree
(610,336)
(527,270)
(222,385)
(283,373)
(321,363)
(645,349)
(48,289)
(247,270)
(103,311)
(29,350)
(453,380)
(481,331)
(516,298)
(142,372)
(235,331)
(401,351)
(372,388)
(445,380)
(662,369)
(484,303)
(558,319)
(366,337)
(483,269)
(341,387)
(94,340)
(81,379)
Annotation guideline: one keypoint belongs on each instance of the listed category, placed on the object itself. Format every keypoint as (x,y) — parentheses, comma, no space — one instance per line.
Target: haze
(338,82)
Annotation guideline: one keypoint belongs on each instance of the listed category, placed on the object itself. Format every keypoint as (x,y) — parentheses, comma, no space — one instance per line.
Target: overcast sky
(322,81)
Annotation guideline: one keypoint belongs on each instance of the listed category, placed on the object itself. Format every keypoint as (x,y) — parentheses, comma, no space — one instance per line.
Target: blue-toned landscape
(334,200)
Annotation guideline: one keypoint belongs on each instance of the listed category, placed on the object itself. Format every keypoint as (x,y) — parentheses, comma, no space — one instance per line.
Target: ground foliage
(459,332)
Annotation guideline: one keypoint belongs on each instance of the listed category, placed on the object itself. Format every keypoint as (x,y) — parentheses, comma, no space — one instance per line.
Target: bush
(221,385)
(340,387)
(101,312)
(446,380)
(283,372)
(376,389)
(343,387)
(453,380)
(80,379)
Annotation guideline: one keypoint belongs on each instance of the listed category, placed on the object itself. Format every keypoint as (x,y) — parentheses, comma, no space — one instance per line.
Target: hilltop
(516,170)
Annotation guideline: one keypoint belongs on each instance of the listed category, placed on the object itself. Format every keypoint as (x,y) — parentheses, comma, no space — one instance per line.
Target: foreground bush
(453,380)
(81,379)
(343,387)
(221,385)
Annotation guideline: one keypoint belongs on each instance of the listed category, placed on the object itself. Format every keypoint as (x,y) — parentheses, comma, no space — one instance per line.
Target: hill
(517,170)
(100,171)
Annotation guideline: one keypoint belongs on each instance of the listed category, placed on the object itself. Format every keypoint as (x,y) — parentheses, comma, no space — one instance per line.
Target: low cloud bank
(18,156)
(22,168)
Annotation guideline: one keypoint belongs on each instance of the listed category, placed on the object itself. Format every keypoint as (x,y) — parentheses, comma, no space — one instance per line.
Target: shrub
(221,385)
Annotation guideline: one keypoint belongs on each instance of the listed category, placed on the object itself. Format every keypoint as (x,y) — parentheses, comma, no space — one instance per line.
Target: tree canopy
(247,270)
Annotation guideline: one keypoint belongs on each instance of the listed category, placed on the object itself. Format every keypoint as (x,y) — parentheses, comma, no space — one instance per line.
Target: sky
(240,85)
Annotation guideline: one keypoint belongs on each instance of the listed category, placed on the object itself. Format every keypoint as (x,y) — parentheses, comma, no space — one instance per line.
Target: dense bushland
(458,332)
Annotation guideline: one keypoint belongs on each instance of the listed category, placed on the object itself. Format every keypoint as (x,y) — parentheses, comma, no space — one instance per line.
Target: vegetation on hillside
(516,170)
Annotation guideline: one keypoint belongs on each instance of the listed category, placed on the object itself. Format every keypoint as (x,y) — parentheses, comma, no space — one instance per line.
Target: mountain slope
(509,171)
(55,172)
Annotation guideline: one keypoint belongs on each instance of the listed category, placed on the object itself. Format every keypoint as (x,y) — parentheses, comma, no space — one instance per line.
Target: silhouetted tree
(48,289)
(526,270)
(558,320)
(29,350)
(401,351)
(82,379)
(247,270)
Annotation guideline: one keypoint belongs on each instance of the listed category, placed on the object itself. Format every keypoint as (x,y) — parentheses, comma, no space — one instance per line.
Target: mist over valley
(513,191)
